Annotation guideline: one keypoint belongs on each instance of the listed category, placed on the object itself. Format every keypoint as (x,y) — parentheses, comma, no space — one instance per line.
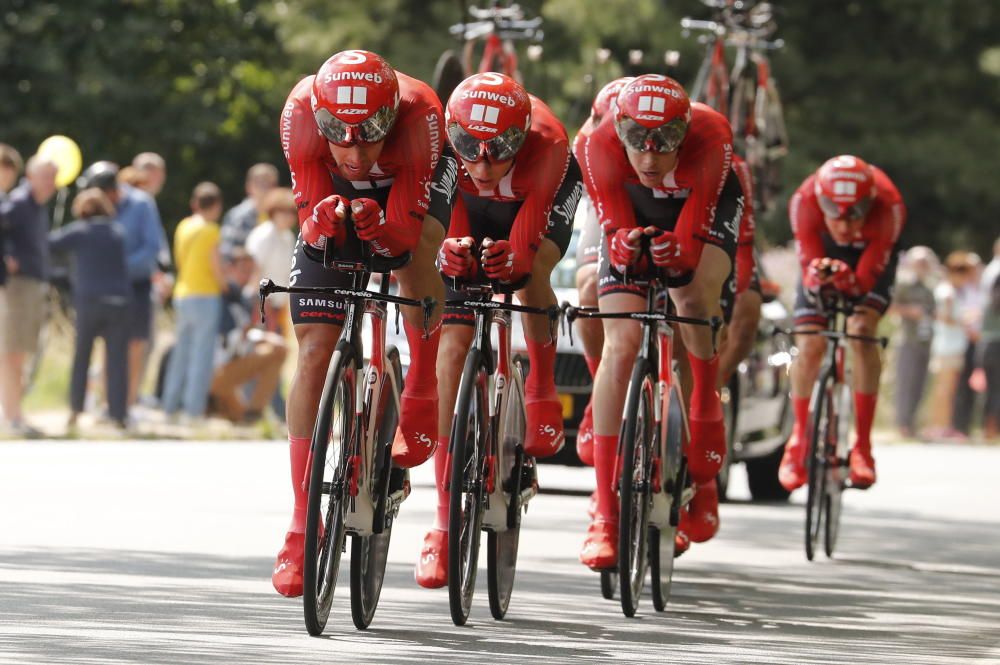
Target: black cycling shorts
(307,272)
(493,219)
(663,213)
(877,299)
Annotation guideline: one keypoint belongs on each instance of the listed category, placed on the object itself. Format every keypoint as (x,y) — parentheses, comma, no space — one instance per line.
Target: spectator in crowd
(100,287)
(131,176)
(26,255)
(241,219)
(986,377)
(153,171)
(10,168)
(271,245)
(949,344)
(197,304)
(137,213)
(248,355)
(10,171)
(969,300)
(913,302)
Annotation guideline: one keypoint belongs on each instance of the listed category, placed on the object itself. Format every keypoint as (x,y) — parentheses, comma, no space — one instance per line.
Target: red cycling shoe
(544,434)
(585,435)
(792,473)
(432,567)
(862,468)
(600,549)
(700,522)
(287,575)
(416,436)
(682,543)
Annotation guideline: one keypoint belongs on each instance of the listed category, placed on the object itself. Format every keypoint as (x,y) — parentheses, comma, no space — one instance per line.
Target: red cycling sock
(800,408)
(441,461)
(705,403)
(421,378)
(864,410)
(298,449)
(605,460)
(541,381)
(592,364)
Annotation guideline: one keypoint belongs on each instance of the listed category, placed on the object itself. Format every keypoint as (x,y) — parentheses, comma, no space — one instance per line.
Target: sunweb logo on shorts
(352,94)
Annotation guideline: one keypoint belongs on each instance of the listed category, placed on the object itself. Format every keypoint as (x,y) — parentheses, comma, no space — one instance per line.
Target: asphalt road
(149,552)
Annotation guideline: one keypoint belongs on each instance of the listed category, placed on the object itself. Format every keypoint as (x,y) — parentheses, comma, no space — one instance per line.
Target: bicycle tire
(448,73)
(369,554)
(636,438)
(661,549)
(816,490)
(835,483)
(465,510)
(609,584)
(323,549)
(501,559)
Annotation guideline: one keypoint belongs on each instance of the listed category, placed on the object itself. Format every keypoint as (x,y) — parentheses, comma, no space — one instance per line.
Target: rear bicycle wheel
(448,73)
(816,493)
(370,553)
(661,539)
(468,461)
(501,546)
(327,507)
(635,486)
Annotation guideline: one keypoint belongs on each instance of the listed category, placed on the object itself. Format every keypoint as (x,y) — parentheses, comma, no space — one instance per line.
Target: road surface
(161,552)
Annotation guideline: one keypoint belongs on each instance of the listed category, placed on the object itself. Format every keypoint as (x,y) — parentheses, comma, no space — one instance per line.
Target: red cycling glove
(326,221)
(501,262)
(387,238)
(668,253)
(455,258)
(623,249)
(845,281)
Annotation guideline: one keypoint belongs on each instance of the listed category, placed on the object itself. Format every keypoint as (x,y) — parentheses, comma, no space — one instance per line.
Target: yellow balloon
(66,154)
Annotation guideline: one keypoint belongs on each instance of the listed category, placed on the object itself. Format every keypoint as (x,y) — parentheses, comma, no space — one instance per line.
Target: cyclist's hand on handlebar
(500,261)
(667,251)
(327,220)
(624,248)
(368,217)
(819,272)
(387,237)
(455,258)
(845,280)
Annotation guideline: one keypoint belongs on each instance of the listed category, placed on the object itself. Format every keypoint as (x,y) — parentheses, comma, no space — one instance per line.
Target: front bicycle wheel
(634,487)
(838,469)
(370,553)
(501,546)
(327,508)
(822,411)
(467,487)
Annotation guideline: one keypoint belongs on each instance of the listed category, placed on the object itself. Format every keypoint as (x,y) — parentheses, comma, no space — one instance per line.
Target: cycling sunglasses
(663,139)
(372,130)
(497,149)
(833,210)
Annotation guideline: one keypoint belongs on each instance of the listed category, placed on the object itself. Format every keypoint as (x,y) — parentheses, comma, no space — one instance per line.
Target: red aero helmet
(845,187)
(653,113)
(606,96)
(488,115)
(355,98)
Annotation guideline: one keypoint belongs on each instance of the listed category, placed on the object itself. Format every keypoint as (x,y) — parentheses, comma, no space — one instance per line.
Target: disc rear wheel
(818,445)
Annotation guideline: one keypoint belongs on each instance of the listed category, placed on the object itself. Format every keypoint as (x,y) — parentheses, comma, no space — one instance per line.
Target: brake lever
(716,325)
(427,305)
(264,290)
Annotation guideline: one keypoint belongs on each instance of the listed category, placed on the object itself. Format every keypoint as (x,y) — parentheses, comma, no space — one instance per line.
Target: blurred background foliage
(911,85)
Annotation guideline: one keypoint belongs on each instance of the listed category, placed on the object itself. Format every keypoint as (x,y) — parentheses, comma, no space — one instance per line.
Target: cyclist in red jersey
(360,136)
(587,246)
(848,216)
(518,189)
(660,166)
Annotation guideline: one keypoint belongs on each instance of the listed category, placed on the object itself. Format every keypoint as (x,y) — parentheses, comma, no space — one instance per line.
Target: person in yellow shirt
(197,303)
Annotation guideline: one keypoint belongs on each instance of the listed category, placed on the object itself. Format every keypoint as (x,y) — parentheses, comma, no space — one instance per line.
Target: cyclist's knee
(586,284)
(454,345)
(864,322)
(621,345)
(316,344)
(811,348)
